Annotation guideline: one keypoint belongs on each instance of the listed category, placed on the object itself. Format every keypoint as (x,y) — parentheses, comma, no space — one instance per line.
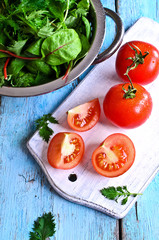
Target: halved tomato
(114,156)
(65,150)
(84,116)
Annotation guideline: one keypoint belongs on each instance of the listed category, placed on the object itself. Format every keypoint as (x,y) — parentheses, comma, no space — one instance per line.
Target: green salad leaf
(61,47)
(41,38)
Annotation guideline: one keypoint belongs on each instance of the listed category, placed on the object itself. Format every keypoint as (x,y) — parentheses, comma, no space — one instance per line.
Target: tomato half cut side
(114,156)
(65,150)
(85,116)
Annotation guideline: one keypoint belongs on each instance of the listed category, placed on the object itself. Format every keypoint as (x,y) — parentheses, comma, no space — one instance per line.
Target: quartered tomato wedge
(114,156)
(84,116)
(65,150)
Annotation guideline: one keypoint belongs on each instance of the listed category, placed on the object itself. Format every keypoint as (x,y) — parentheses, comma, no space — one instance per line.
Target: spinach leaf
(57,70)
(61,47)
(85,48)
(3,55)
(42,78)
(3,37)
(39,66)
(57,8)
(72,21)
(35,47)
(2,80)
(84,4)
(16,66)
(83,7)
(87,27)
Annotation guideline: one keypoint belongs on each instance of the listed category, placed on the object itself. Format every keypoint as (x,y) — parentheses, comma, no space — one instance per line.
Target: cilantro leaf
(42,125)
(45,132)
(113,193)
(43,228)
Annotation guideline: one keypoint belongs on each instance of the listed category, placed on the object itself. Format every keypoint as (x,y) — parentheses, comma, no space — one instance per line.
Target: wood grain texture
(24,191)
(25,194)
(142,222)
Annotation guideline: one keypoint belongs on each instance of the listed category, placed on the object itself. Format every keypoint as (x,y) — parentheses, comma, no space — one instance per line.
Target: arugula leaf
(42,125)
(46,30)
(17,46)
(23,79)
(43,228)
(113,193)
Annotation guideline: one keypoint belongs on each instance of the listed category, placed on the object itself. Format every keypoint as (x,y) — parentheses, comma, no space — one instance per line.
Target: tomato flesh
(114,156)
(85,116)
(65,150)
(108,160)
(75,151)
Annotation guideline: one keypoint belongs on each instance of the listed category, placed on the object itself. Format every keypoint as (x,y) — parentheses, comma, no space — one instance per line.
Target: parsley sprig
(44,227)
(42,125)
(114,193)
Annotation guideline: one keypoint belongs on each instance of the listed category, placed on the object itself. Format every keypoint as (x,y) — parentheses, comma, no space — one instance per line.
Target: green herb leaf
(16,66)
(63,46)
(124,201)
(113,193)
(17,46)
(87,27)
(110,193)
(42,125)
(43,228)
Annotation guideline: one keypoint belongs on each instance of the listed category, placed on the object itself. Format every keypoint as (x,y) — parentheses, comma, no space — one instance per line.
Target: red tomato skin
(144,73)
(54,155)
(113,139)
(127,113)
(91,123)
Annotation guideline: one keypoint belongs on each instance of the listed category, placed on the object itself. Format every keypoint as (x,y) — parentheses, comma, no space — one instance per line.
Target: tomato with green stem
(114,156)
(140,60)
(127,106)
(85,116)
(65,150)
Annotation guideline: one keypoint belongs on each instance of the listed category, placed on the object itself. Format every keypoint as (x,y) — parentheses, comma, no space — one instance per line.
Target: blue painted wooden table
(25,194)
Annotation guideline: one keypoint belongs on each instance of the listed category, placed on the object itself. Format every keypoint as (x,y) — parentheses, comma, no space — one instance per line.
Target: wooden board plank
(133,10)
(86,189)
(142,222)
(24,190)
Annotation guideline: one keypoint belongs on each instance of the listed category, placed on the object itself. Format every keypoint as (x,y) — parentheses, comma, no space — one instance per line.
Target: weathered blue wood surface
(25,193)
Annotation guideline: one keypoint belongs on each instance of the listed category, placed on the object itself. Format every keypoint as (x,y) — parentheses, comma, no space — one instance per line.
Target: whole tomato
(141,58)
(127,111)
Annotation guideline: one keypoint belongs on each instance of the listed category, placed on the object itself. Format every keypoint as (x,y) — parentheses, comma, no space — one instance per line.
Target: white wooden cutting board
(86,189)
